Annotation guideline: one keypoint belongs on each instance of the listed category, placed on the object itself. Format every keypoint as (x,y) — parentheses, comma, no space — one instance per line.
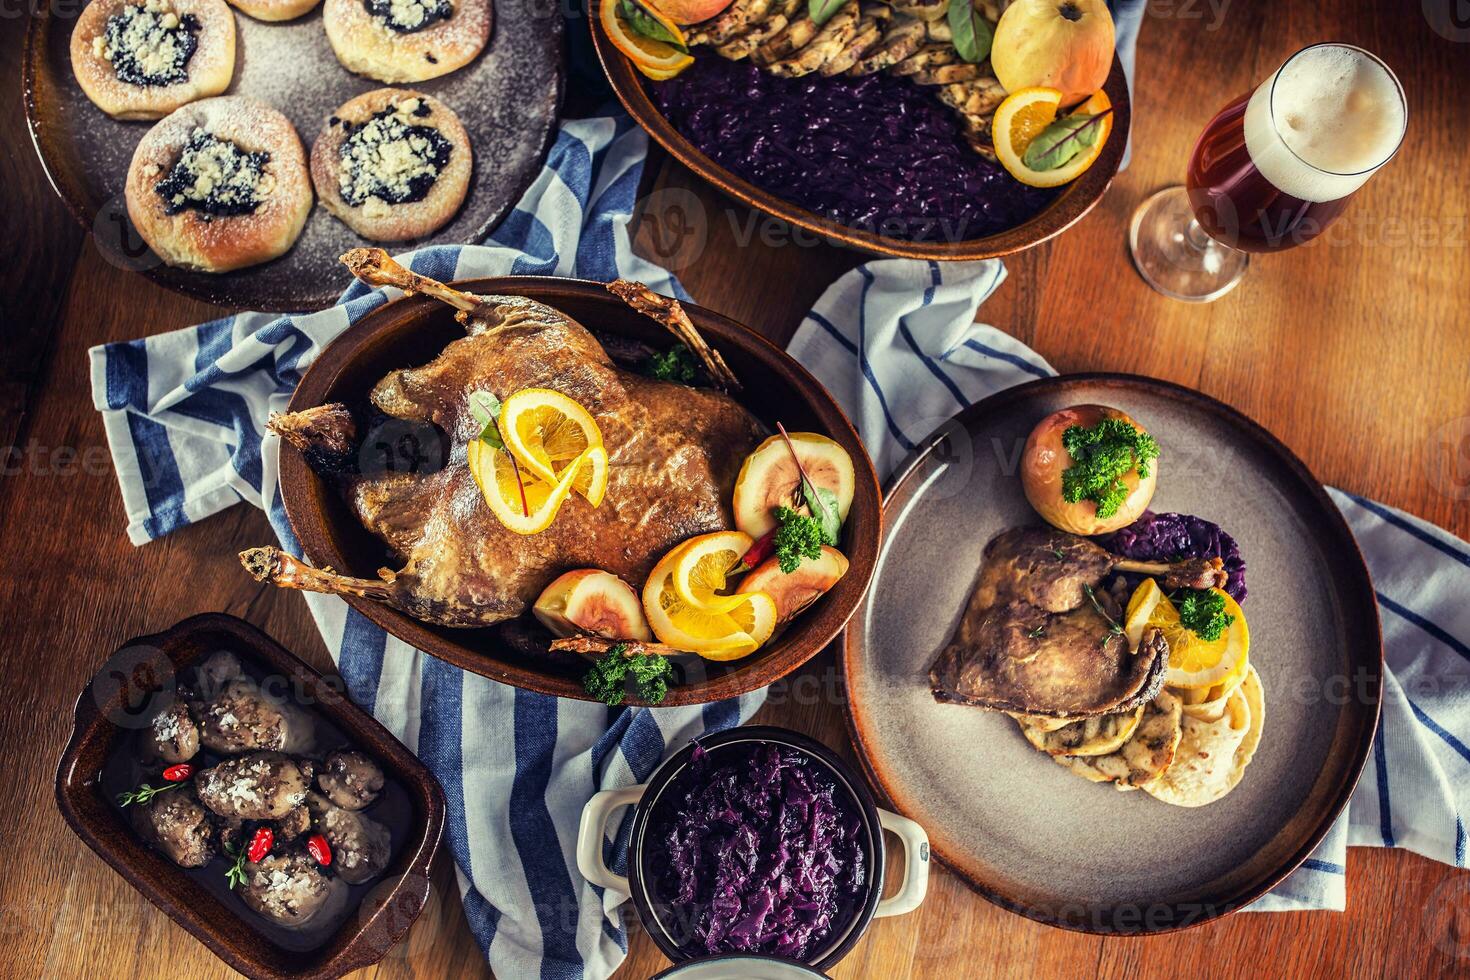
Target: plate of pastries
(233,151)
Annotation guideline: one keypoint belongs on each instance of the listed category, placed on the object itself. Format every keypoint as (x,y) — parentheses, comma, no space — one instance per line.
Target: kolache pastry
(220,184)
(392,164)
(406,40)
(142,59)
(274,9)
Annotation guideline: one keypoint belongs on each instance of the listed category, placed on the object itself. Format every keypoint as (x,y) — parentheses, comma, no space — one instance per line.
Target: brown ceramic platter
(1074,201)
(507,98)
(412,331)
(125,694)
(1020,829)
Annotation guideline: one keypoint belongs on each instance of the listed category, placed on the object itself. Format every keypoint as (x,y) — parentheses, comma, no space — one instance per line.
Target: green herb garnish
(1114,627)
(648,25)
(677,364)
(143,794)
(1101,456)
(235,873)
(1063,140)
(971,32)
(485,407)
(1202,612)
(609,677)
(819,500)
(797,537)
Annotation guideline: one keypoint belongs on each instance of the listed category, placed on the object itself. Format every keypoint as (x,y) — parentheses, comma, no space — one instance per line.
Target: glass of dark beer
(1272,170)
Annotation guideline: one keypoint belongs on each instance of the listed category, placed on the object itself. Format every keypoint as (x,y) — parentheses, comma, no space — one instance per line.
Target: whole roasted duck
(1042,634)
(903,37)
(674,453)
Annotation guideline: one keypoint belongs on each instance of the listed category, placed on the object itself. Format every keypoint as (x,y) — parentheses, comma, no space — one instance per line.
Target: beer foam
(1321,125)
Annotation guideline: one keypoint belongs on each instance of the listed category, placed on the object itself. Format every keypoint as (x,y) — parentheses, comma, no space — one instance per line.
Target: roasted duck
(1041,635)
(905,37)
(674,453)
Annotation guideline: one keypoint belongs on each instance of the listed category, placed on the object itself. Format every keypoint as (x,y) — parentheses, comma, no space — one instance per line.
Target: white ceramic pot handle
(593,830)
(915,864)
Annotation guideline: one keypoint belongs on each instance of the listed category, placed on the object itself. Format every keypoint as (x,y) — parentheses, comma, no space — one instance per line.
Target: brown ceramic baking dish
(413,330)
(126,693)
(1074,201)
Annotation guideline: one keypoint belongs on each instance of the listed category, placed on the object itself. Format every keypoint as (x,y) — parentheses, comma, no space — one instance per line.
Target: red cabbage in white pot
(1174,537)
(761,854)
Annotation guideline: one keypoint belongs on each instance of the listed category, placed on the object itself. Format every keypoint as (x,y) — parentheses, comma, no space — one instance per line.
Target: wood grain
(1353,350)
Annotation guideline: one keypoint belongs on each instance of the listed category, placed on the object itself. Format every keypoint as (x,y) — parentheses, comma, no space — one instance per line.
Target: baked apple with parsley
(1089,469)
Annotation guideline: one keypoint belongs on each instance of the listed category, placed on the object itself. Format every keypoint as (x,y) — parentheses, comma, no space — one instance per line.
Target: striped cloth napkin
(185,418)
(896,343)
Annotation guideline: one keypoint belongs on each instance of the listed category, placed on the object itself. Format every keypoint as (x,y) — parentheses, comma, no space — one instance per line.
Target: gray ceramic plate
(507,98)
(1020,829)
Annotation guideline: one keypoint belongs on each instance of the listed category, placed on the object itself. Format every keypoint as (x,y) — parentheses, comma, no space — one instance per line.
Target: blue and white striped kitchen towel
(185,416)
(896,343)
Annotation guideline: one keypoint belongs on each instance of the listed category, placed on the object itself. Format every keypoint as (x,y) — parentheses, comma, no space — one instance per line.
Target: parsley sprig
(797,536)
(609,678)
(1101,455)
(677,364)
(1202,612)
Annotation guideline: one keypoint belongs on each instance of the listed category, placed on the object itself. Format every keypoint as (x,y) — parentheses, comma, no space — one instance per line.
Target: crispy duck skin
(674,453)
(1042,635)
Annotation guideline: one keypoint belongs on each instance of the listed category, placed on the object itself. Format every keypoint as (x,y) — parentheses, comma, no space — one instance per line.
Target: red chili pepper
(319,849)
(178,773)
(764,547)
(260,844)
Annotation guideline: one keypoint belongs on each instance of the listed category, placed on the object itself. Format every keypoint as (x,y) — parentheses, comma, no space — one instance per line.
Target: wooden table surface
(1354,350)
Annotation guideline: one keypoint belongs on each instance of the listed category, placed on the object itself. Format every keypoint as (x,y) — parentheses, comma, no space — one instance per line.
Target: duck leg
(1192,573)
(669,313)
(274,566)
(376,268)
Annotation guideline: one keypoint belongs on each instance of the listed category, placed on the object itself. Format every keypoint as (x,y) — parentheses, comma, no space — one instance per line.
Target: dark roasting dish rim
(361,940)
(304,494)
(1071,205)
(1360,607)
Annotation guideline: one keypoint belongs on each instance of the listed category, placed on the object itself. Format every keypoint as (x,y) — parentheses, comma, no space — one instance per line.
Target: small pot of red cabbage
(1175,537)
(754,841)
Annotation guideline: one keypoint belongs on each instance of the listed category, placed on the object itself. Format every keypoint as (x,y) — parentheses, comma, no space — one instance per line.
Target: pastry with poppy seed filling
(392,164)
(220,184)
(406,40)
(142,59)
(274,10)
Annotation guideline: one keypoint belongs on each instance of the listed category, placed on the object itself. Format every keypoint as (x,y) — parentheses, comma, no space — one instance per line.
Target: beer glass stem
(1198,238)
(1178,257)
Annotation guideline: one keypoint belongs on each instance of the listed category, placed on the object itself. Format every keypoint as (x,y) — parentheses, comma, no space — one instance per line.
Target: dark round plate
(1020,829)
(413,330)
(508,99)
(1074,200)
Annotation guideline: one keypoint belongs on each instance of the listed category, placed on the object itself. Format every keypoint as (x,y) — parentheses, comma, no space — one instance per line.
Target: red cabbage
(761,852)
(1173,537)
(876,152)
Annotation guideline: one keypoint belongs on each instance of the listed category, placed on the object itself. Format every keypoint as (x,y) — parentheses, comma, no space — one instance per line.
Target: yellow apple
(1061,44)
